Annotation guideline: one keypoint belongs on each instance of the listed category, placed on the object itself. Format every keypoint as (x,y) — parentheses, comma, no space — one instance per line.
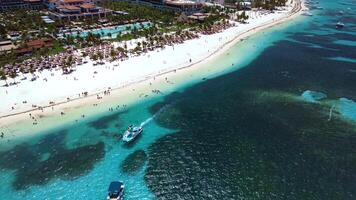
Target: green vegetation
(165,21)
(22,21)
(165,27)
(141,12)
(28,25)
(269,5)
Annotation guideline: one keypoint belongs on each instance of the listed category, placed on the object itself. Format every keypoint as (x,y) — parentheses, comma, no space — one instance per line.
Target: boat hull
(131,136)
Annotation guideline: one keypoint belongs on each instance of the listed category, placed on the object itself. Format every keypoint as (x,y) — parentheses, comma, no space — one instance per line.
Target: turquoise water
(344,59)
(313,96)
(347,108)
(346,42)
(114,31)
(229,136)
(89,171)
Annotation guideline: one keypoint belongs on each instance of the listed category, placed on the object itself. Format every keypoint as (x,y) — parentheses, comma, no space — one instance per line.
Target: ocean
(277,121)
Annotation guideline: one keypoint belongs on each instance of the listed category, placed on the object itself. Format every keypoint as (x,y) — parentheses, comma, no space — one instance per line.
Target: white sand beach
(124,76)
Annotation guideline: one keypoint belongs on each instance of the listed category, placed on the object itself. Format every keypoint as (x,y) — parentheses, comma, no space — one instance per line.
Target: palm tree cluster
(22,21)
(269,4)
(66,61)
(104,52)
(137,11)
(242,17)
(208,29)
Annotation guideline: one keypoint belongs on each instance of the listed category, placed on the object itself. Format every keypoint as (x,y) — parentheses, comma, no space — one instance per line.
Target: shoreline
(13,118)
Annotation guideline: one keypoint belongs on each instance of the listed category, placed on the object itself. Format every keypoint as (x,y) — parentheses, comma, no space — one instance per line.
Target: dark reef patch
(114,135)
(134,162)
(253,150)
(60,162)
(105,121)
(167,112)
(240,138)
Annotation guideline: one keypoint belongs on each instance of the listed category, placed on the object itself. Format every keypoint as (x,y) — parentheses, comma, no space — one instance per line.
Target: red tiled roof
(36,44)
(87,6)
(71,7)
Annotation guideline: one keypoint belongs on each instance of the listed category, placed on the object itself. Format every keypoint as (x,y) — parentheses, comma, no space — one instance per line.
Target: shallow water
(243,133)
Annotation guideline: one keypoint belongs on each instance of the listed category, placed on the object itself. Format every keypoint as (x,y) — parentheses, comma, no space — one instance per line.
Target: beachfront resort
(62,25)
(65,40)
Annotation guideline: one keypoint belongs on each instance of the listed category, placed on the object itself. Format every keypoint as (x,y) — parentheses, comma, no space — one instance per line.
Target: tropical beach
(256,108)
(91,81)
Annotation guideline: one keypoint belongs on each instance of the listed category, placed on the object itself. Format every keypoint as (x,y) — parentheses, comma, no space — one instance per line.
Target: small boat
(116,191)
(131,133)
(340,25)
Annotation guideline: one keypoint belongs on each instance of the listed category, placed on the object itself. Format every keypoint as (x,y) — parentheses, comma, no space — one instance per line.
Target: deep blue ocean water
(247,134)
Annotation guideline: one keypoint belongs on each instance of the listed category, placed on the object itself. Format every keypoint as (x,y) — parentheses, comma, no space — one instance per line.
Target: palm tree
(3,77)
(113,53)
(13,76)
(94,57)
(100,56)
(22,70)
(144,45)
(84,54)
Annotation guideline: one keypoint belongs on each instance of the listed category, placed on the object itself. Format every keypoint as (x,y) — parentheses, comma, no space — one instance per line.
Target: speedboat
(116,191)
(131,133)
(340,25)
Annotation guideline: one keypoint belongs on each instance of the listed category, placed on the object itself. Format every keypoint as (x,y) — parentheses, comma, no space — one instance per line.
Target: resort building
(6,46)
(245,4)
(184,5)
(20,4)
(199,16)
(75,9)
(33,45)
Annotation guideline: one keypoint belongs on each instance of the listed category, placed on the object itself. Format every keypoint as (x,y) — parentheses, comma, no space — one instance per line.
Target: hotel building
(75,9)
(20,4)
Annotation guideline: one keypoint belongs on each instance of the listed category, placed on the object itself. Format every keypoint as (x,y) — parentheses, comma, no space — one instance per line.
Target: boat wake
(153,116)
(146,121)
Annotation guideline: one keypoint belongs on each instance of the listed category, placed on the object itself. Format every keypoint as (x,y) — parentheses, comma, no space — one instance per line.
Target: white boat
(131,133)
(340,25)
(116,191)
